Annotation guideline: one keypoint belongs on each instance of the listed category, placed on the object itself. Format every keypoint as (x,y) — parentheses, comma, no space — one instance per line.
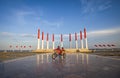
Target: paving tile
(75,65)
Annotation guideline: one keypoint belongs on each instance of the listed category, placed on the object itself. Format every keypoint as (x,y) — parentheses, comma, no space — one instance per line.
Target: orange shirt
(59,51)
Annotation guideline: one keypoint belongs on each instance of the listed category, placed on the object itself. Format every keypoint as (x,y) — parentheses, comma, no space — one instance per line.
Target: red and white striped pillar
(42,40)
(61,40)
(38,46)
(30,47)
(76,41)
(81,40)
(10,47)
(85,37)
(47,41)
(70,41)
(24,47)
(16,47)
(53,41)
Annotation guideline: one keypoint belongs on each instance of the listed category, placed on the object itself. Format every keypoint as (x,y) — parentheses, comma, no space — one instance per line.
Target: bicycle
(54,55)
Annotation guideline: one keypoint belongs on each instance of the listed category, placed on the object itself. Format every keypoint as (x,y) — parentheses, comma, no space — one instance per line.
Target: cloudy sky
(20,19)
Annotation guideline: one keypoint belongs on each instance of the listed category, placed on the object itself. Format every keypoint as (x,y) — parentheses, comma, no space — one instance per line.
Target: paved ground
(76,65)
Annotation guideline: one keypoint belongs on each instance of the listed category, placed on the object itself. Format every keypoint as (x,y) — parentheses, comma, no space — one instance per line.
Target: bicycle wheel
(54,55)
(64,55)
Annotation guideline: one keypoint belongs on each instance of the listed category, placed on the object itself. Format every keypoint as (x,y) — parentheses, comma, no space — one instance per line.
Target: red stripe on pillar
(53,37)
(75,36)
(10,46)
(47,36)
(38,33)
(24,46)
(30,46)
(70,37)
(80,35)
(16,46)
(42,35)
(84,33)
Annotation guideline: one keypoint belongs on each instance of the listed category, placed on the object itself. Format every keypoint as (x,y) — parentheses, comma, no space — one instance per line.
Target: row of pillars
(61,40)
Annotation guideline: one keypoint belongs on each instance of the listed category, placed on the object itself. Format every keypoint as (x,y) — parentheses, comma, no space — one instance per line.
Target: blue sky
(20,19)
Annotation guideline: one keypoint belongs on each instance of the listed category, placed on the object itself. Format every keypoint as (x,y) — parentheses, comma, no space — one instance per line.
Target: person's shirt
(58,50)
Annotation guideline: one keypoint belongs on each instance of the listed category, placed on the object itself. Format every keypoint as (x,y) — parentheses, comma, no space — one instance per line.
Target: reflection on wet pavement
(75,65)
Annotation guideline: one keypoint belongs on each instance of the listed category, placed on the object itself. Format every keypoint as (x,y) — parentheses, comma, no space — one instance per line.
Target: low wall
(66,50)
(44,50)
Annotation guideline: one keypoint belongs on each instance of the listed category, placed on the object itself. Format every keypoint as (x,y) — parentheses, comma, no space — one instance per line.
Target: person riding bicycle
(58,50)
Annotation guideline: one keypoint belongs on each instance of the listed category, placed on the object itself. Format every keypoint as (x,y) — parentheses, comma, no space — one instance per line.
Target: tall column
(53,41)
(85,37)
(70,45)
(76,41)
(61,40)
(42,40)
(81,40)
(38,46)
(47,41)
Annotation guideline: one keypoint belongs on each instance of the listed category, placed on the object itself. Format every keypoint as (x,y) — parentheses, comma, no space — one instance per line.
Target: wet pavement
(75,65)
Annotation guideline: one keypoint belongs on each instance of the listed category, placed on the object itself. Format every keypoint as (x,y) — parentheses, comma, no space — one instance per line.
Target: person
(63,52)
(58,50)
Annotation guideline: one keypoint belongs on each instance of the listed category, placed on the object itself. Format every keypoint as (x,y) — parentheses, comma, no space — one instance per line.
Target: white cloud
(93,6)
(8,34)
(24,13)
(104,6)
(23,16)
(28,35)
(20,16)
(52,24)
(104,32)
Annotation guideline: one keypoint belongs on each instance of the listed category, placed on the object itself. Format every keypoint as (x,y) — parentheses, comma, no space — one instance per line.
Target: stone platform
(66,50)
(75,65)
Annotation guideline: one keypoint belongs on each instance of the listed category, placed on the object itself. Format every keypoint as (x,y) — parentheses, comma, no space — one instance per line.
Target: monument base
(66,50)
(78,50)
(43,50)
(85,50)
